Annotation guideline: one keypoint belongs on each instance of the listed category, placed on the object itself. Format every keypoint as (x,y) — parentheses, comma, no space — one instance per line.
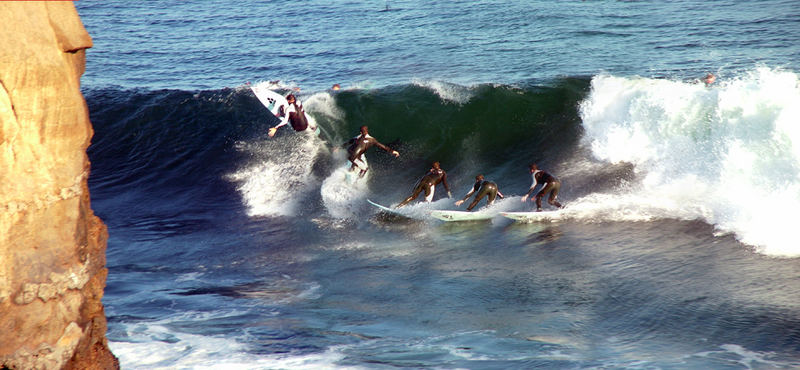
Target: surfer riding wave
(292,113)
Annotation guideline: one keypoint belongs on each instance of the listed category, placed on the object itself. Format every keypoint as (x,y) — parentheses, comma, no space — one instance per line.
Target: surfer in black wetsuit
(549,184)
(293,114)
(428,184)
(358,145)
(484,188)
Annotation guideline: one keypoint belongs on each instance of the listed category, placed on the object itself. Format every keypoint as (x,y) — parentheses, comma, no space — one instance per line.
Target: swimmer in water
(358,145)
(484,189)
(550,184)
(709,79)
(428,184)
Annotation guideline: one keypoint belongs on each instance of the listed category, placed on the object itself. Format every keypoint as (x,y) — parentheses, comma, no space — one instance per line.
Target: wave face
(728,154)
(211,147)
(626,149)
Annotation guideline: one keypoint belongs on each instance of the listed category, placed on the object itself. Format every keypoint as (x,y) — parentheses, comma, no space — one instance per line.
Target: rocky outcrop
(52,246)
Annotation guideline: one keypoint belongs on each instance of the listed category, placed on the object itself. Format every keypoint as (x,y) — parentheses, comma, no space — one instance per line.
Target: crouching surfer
(358,145)
(293,114)
(428,184)
(550,184)
(484,188)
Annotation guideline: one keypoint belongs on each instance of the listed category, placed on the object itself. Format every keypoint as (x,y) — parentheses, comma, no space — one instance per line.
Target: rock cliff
(52,246)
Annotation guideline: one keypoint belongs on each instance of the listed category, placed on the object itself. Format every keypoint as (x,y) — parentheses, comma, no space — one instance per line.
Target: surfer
(358,145)
(549,184)
(710,78)
(428,184)
(484,188)
(292,113)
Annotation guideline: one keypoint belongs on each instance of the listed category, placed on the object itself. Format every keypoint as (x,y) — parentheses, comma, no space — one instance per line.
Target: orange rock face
(52,246)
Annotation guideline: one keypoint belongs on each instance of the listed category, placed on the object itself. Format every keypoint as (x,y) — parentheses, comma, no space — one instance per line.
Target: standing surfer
(428,184)
(292,113)
(484,188)
(358,145)
(549,184)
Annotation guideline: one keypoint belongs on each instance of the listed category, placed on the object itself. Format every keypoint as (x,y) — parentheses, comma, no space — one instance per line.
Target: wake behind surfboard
(449,216)
(544,216)
(388,210)
(439,214)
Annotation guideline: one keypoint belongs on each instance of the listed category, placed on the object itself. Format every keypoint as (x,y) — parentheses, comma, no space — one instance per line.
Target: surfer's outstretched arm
(386,148)
(284,120)
(471,191)
(533,186)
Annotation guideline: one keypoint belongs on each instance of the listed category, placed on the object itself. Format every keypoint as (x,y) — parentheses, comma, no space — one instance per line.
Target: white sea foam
(276,84)
(736,355)
(728,154)
(155,346)
(343,193)
(324,104)
(279,175)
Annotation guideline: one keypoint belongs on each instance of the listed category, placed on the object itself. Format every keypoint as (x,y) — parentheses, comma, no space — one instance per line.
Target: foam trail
(343,193)
(728,154)
(280,175)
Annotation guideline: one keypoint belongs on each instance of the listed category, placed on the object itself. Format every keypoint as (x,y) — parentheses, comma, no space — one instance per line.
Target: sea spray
(344,193)
(279,176)
(727,153)
(448,92)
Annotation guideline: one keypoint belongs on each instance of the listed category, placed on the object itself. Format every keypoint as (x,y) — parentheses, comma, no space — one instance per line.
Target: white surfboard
(448,216)
(271,100)
(534,216)
(388,210)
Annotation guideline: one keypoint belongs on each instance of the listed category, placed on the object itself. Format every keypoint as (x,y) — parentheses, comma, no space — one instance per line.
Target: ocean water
(230,250)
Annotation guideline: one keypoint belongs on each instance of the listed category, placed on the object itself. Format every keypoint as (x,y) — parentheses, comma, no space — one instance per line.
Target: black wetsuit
(484,188)
(295,115)
(427,184)
(551,185)
(298,118)
(356,148)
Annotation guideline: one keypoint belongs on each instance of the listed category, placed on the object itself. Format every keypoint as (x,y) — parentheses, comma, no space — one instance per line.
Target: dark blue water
(160,44)
(229,249)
